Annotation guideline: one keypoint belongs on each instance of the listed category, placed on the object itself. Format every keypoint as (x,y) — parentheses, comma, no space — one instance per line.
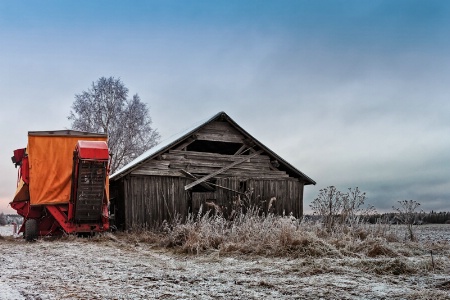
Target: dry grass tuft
(361,234)
(380,249)
(388,266)
(65,237)
(104,237)
(147,237)
(395,267)
(196,235)
(373,247)
(7,238)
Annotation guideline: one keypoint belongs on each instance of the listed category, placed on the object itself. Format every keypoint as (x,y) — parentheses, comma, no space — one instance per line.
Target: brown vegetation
(278,236)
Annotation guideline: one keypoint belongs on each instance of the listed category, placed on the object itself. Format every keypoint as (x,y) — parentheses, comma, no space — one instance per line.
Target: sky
(352,93)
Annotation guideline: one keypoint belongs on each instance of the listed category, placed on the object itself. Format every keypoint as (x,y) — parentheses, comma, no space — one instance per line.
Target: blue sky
(352,93)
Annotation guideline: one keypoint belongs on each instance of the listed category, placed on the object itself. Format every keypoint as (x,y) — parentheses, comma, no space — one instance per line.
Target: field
(133,266)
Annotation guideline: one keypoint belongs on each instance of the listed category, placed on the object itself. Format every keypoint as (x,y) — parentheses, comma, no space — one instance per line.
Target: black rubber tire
(31,230)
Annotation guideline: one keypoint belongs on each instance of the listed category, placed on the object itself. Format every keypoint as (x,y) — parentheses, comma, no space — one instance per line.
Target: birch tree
(106,108)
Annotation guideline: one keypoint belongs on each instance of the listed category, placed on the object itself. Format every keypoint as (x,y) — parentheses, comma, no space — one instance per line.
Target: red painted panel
(92,150)
(19,154)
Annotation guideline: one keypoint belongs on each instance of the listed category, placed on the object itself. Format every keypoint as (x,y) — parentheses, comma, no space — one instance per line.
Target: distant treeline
(9,219)
(426,218)
(392,218)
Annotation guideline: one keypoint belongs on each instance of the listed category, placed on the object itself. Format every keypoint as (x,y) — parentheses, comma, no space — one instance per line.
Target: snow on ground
(7,230)
(8,292)
(424,233)
(115,268)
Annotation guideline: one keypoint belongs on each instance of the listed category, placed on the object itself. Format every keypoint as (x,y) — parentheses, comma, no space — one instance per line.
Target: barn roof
(180,137)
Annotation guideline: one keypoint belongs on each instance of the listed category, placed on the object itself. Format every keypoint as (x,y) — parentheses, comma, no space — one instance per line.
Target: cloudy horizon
(353,94)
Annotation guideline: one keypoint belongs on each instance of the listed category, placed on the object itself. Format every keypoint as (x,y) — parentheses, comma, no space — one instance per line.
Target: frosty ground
(118,267)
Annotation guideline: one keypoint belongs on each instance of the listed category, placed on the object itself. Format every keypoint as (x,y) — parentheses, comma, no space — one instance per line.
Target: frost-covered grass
(285,236)
(250,257)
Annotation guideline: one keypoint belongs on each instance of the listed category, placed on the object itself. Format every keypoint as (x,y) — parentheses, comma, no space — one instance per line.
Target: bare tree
(407,215)
(105,108)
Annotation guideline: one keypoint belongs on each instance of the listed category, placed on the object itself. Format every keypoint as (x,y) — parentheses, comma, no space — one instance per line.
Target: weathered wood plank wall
(220,132)
(170,163)
(150,200)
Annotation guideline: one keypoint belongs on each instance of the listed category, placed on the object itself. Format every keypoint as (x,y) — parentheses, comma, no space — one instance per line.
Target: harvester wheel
(31,230)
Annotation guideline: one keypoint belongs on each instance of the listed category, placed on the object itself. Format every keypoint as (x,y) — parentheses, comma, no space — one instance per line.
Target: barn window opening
(243,186)
(205,187)
(214,147)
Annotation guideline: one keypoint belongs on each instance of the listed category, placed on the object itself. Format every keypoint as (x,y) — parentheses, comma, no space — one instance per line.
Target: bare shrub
(353,213)
(342,213)
(328,205)
(407,215)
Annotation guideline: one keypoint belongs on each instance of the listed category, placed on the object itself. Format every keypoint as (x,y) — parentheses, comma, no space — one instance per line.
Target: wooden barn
(216,165)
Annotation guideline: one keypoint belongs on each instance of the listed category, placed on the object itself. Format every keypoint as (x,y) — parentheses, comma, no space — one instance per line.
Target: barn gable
(213,163)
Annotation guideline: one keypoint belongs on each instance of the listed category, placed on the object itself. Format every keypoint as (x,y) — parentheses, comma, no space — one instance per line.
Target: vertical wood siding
(149,200)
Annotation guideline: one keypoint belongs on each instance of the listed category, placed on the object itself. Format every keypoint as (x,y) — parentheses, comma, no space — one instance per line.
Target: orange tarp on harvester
(50,163)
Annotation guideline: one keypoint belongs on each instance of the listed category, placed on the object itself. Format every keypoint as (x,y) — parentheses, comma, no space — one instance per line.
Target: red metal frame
(21,159)
(54,219)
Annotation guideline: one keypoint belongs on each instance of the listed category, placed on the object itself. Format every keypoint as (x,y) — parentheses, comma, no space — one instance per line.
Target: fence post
(14,228)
